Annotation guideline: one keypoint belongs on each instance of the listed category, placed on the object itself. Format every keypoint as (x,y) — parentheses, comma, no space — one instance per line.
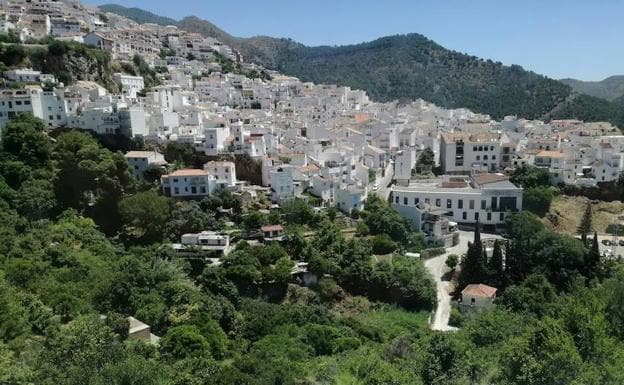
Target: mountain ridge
(413,66)
(610,88)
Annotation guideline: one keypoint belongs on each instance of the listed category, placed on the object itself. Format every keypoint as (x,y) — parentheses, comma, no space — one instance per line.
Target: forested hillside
(66,288)
(610,88)
(139,15)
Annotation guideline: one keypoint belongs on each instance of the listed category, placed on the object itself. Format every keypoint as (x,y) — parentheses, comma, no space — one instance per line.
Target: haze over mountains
(412,66)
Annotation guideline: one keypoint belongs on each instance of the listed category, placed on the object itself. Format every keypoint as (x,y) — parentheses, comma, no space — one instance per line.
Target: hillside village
(312,207)
(324,141)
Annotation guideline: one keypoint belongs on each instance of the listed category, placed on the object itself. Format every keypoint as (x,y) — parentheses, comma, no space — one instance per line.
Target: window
(18,102)
(202,189)
(474,148)
(460,204)
(51,117)
(464,215)
(485,157)
(176,190)
(405,201)
(449,204)
(493,157)
(175,180)
(501,216)
(478,157)
(427,200)
(483,204)
(491,148)
(438,202)
(471,204)
(476,216)
(472,300)
(415,201)
(193,190)
(489,216)
(58,117)
(480,148)
(396,199)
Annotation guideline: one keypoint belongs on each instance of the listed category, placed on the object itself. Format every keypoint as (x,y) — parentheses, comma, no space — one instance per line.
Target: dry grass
(566,212)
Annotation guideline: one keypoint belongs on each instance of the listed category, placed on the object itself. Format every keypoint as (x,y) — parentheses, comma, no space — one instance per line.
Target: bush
(342,344)
(383,244)
(328,290)
(432,252)
(456,318)
(452,260)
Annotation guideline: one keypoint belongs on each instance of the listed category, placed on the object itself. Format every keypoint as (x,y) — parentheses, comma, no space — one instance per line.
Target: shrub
(383,244)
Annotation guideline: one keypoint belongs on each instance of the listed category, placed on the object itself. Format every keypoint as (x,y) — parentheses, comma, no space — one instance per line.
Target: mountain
(139,15)
(610,88)
(412,66)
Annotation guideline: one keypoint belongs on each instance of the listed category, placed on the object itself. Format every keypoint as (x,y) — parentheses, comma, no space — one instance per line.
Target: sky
(582,39)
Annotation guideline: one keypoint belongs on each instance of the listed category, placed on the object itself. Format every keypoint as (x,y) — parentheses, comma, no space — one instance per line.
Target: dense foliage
(139,15)
(558,320)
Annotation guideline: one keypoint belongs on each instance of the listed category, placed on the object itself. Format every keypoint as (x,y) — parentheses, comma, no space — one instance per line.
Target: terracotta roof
(309,168)
(272,228)
(479,290)
(189,172)
(550,154)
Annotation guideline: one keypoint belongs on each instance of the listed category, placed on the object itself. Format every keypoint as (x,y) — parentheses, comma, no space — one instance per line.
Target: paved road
(384,189)
(437,268)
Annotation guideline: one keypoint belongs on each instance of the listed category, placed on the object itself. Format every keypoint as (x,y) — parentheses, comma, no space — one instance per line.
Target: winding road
(437,268)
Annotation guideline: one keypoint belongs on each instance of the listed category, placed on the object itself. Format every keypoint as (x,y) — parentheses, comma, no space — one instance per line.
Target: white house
(130,85)
(205,241)
(223,172)
(139,161)
(477,297)
(188,183)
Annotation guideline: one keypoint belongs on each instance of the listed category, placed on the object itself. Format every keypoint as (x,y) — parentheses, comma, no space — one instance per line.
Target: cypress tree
(592,259)
(585,227)
(495,266)
(473,264)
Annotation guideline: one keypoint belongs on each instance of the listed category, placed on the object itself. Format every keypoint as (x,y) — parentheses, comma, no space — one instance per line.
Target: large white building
(487,198)
(45,105)
(461,152)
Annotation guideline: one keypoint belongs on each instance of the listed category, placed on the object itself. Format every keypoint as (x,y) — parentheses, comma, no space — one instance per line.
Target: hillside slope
(610,88)
(412,66)
(139,15)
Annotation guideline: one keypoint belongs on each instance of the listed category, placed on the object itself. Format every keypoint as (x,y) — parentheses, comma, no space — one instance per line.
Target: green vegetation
(558,320)
(139,15)
(67,61)
(610,88)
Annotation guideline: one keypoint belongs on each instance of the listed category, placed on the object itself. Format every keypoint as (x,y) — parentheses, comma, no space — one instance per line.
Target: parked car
(606,242)
(621,242)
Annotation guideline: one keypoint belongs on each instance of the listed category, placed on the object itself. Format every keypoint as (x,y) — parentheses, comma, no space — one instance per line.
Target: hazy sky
(573,38)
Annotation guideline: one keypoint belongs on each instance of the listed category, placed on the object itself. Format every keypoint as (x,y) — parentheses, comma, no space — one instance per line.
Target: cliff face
(72,62)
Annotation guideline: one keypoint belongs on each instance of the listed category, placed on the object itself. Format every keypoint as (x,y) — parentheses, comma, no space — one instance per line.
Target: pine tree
(592,259)
(585,227)
(473,265)
(496,270)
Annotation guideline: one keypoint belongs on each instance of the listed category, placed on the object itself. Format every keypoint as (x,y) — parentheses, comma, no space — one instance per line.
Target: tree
(585,227)
(496,270)
(593,259)
(473,268)
(25,139)
(184,341)
(188,217)
(91,179)
(426,161)
(145,216)
(451,261)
